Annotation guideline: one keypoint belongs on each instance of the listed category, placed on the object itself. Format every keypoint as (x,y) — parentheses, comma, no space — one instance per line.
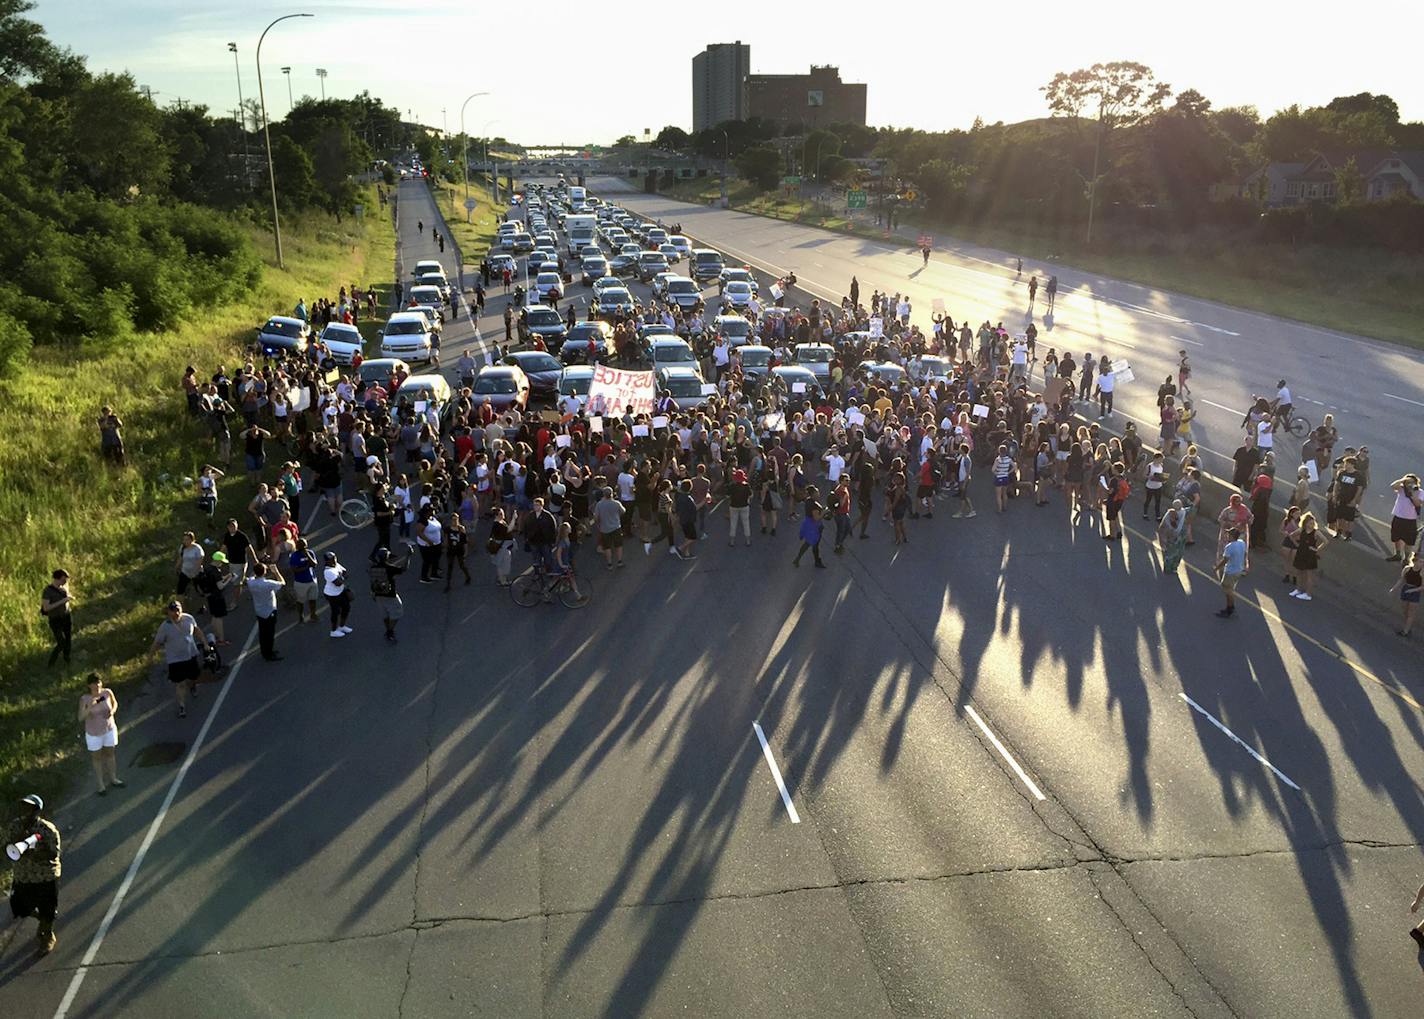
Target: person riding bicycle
(1281,406)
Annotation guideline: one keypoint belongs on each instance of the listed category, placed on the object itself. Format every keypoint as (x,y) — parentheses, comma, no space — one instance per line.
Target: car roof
(382,362)
(340,327)
(285,320)
(501,369)
(665,339)
(546,276)
(426,380)
(408,316)
(574,371)
(680,371)
(814,346)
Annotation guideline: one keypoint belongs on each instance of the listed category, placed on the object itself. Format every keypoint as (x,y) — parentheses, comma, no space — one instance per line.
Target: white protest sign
(776,292)
(854,417)
(938,305)
(640,431)
(775,422)
(1312,471)
(1122,371)
(420,406)
(870,448)
(595,424)
(798,387)
(299,398)
(563,441)
(981,411)
(660,421)
(615,389)
(709,389)
(877,326)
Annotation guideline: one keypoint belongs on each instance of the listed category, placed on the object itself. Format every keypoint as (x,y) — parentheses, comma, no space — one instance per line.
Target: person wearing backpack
(385,567)
(1117,490)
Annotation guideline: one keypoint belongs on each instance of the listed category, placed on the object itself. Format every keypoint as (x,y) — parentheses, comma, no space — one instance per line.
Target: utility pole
(241,116)
(288,72)
(320,73)
(267,131)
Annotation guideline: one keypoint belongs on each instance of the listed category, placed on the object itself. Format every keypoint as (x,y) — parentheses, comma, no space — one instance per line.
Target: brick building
(810,100)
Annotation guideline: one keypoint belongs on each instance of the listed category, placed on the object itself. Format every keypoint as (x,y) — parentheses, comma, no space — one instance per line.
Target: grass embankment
(1368,292)
(117,529)
(476,236)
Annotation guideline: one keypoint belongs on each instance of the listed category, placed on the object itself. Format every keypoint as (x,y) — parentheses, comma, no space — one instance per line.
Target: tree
(24,50)
(815,147)
(672,138)
(1366,102)
(1239,123)
(1117,95)
(943,183)
(1349,183)
(625,142)
(761,164)
(114,138)
(1191,103)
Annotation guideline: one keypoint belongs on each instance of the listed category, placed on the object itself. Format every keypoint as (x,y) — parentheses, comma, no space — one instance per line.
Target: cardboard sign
(640,431)
(854,417)
(551,417)
(938,305)
(877,326)
(776,292)
(660,421)
(595,425)
(870,448)
(615,389)
(563,441)
(420,406)
(798,387)
(981,411)
(709,389)
(1312,472)
(298,399)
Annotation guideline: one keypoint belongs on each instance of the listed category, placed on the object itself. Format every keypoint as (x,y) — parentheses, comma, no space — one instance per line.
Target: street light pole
(242,114)
(288,72)
(465,149)
(321,73)
(267,131)
(726,158)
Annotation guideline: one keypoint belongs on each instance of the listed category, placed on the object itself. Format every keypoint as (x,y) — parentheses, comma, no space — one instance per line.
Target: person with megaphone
(32,845)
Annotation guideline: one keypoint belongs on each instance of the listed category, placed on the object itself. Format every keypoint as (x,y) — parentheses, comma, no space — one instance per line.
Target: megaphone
(19,849)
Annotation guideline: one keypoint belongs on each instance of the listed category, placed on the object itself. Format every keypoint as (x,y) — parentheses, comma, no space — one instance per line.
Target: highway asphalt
(1029,776)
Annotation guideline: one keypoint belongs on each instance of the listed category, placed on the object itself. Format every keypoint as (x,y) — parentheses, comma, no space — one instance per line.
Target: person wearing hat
(739,501)
(35,891)
(56,605)
(337,593)
(213,581)
(180,639)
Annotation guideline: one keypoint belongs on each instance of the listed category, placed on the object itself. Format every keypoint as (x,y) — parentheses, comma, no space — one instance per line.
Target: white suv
(408,336)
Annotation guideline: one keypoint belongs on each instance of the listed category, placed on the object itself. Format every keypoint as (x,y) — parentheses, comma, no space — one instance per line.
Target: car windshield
(495,384)
(652,258)
(684,387)
(586,331)
(756,358)
(820,355)
(578,385)
(544,317)
(707,257)
(594,263)
(282,328)
(616,297)
(734,327)
(738,288)
(674,352)
(405,327)
(547,279)
(540,363)
(682,287)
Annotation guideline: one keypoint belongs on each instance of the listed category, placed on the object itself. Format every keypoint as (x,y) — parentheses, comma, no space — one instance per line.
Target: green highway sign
(791,180)
(855,199)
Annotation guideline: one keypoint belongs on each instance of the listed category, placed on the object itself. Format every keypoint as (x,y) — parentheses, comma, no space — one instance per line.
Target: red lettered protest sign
(613,390)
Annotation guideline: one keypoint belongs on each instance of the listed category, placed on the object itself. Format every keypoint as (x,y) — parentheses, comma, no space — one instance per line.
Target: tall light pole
(267,131)
(320,73)
(241,113)
(288,72)
(465,148)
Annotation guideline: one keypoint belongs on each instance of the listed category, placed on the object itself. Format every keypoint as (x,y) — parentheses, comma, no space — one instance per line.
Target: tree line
(1117,145)
(123,216)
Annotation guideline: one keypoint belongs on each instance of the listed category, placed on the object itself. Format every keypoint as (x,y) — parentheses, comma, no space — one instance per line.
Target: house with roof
(1384,172)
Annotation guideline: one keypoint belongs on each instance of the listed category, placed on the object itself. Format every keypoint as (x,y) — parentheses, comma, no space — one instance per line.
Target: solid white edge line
(775,774)
(1183,339)
(1244,745)
(98,940)
(1003,751)
(1403,399)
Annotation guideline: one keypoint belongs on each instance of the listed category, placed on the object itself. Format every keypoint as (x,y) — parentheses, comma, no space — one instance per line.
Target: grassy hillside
(1367,292)
(116,529)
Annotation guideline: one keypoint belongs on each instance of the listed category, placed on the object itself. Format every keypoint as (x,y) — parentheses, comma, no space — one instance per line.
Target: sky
(932,65)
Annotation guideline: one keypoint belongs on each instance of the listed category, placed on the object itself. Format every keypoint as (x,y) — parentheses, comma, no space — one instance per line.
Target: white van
(582,233)
(408,336)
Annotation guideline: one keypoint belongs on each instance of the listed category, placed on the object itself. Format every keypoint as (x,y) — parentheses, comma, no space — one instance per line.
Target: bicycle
(537,585)
(1295,424)
(356,512)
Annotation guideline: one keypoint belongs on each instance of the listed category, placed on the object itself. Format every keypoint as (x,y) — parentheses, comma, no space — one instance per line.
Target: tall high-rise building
(808,100)
(719,76)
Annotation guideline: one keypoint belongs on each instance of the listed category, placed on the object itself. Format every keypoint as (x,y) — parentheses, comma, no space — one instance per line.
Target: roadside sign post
(470,205)
(855,199)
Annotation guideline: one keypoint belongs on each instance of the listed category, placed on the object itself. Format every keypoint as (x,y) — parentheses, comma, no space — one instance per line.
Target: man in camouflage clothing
(36,873)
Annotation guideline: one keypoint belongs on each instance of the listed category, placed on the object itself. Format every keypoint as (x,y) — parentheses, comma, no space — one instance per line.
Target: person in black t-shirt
(56,605)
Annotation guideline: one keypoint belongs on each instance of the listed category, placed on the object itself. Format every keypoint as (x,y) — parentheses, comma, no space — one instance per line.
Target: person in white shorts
(97,709)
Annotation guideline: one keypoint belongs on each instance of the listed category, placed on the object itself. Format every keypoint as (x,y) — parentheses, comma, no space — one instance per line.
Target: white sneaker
(647,548)
(346,629)
(338,633)
(1295,593)
(672,551)
(971,514)
(1305,597)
